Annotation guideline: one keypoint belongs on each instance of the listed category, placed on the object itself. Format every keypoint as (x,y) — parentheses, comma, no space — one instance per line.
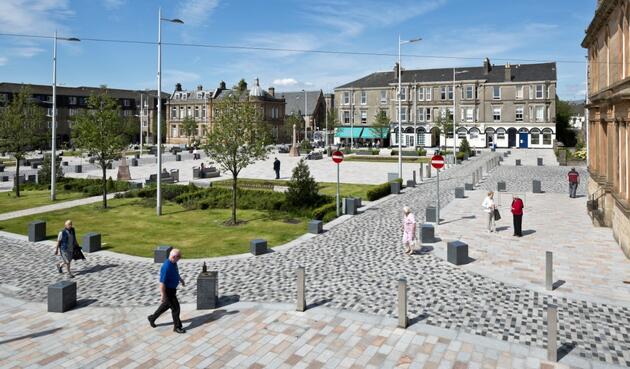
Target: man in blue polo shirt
(169,279)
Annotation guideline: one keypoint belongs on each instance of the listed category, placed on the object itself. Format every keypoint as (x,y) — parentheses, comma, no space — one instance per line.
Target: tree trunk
(16,180)
(104,166)
(234,178)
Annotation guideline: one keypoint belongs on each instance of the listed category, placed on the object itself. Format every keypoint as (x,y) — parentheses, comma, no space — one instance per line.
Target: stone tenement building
(198,104)
(311,106)
(71,100)
(608,43)
(510,105)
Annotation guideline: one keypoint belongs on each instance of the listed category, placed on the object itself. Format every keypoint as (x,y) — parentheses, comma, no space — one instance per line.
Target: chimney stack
(396,66)
(272,91)
(178,87)
(487,67)
(199,87)
(222,85)
(508,73)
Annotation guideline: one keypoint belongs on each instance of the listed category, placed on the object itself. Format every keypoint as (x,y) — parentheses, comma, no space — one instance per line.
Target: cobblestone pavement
(519,179)
(247,335)
(354,266)
(530,156)
(552,222)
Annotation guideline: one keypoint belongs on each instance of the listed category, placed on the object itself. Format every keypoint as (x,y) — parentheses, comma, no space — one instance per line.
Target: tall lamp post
(53,161)
(159,108)
(454,112)
(400,43)
(305,123)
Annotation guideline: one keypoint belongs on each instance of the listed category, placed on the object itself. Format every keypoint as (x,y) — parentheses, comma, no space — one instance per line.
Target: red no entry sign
(437,161)
(337,157)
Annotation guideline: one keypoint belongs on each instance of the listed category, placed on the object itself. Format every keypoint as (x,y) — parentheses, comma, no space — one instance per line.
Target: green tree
(131,129)
(302,190)
(189,127)
(444,123)
(241,86)
(238,139)
(298,121)
(381,124)
(464,147)
(99,130)
(43,174)
(22,129)
(564,132)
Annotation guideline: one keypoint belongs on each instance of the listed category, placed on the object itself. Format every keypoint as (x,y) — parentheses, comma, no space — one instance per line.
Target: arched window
(523,130)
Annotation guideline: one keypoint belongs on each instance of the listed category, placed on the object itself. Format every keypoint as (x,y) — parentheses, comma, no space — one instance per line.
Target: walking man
(276,168)
(66,242)
(169,279)
(574,181)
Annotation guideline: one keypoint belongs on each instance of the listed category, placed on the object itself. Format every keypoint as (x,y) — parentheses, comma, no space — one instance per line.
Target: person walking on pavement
(574,181)
(169,280)
(517,213)
(409,230)
(489,206)
(276,167)
(66,242)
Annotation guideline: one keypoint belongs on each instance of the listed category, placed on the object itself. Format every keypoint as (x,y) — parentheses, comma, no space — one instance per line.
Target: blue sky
(514,30)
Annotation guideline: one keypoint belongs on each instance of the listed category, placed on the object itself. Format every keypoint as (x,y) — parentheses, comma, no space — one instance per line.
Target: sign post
(337,157)
(437,162)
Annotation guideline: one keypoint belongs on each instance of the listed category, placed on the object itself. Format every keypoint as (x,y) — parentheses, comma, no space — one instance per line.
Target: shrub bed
(381,190)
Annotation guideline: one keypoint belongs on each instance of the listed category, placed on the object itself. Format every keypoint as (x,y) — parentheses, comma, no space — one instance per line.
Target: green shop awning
(375,132)
(349,132)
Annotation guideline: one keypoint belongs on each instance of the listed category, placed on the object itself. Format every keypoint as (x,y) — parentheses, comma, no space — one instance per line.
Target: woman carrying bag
(492,213)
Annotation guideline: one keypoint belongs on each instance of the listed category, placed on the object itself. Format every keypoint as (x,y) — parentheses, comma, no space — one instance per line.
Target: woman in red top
(517,213)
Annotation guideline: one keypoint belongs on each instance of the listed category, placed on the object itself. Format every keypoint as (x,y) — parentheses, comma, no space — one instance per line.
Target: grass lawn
(385,159)
(30,199)
(131,227)
(326,188)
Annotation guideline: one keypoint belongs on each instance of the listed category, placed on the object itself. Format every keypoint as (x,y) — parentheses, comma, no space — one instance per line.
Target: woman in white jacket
(489,206)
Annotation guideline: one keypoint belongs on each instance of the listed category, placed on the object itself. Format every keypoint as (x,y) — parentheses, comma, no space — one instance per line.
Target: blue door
(522,140)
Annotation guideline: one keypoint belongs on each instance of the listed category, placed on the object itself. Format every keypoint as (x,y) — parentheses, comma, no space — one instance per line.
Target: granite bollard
(431,214)
(161,253)
(301,289)
(258,247)
(501,187)
(207,289)
(37,231)
(394,188)
(427,233)
(459,192)
(403,322)
(468,186)
(518,162)
(457,252)
(91,242)
(539,161)
(536,186)
(315,226)
(62,296)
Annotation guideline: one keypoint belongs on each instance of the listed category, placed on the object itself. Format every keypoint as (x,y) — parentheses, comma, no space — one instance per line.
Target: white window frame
(403,93)
(542,92)
(547,137)
(174,130)
(383,98)
(469,114)
(420,115)
(516,113)
(428,93)
(346,114)
(519,92)
(472,92)
(420,93)
(346,98)
(182,112)
(173,112)
(364,98)
(535,137)
(537,109)
(494,95)
(363,116)
(494,115)
(443,93)
(427,114)
(72,100)
(403,114)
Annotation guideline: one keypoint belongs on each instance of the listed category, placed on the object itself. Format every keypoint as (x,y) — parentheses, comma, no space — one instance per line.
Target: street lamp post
(305,123)
(53,154)
(454,113)
(159,109)
(400,42)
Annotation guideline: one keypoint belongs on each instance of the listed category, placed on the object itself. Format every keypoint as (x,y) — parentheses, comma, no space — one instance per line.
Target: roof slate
(77,91)
(295,102)
(520,73)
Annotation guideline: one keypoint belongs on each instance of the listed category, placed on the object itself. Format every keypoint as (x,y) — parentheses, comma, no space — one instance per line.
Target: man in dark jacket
(517,213)
(276,168)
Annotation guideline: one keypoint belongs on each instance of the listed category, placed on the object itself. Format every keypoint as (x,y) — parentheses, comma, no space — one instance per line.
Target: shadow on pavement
(96,269)
(527,232)
(32,335)
(318,303)
(207,318)
(81,303)
(418,318)
(557,284)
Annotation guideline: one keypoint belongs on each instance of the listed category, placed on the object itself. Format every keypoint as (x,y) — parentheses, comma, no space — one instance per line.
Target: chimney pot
(199,87)
(272,91)
(178,87)
(508,72)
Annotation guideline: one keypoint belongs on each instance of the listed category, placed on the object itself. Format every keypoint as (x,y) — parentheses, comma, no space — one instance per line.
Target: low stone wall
(621,227)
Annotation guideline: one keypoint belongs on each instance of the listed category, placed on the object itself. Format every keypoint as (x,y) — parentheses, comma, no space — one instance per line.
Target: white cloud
(3,60)
(26,52)
(113,4)
(285,82)
(196,12)
(33,16)
(351,20)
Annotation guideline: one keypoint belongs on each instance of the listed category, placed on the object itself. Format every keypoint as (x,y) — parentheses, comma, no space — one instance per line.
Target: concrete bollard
(258,247)
(518,162)
(394,188)
(501,187)
(207,289)
(411,183)
(552,333)
(161,253)
(62,296)
(301,297)
(549,270)
(539,161)
(468,186)
(431,214)
(428,170)
(315,227)
(427,233)
(414,177)
(421,172)
(402,303)
(459,192)
(536,186)
(91,242)
(37,231)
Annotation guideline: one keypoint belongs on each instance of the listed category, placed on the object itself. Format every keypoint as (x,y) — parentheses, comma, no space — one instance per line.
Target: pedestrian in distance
(169,280)
(276,167)
(409,230)
(517,214)
(489,206)
(66,243)
(574,181)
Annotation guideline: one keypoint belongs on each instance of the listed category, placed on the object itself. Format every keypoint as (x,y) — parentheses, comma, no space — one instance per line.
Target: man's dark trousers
(277,173)
(170,303)
(572,189)
(518,224)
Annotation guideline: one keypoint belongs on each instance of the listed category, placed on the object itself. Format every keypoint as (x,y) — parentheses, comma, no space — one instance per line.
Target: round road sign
(337,156)
(437,161)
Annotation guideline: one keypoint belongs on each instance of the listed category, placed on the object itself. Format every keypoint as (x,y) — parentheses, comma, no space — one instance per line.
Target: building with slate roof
(507,105)
(311,106)
(198,104)
(608,130)
(71,100)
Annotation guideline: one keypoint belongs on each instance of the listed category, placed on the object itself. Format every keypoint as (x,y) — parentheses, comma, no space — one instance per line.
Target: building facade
(311,106)
(72,100)
(199,105)
(510,106)
(607,41)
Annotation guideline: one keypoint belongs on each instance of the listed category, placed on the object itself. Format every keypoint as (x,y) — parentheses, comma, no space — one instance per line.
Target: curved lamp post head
(410,41)
(72,39)
(174,20)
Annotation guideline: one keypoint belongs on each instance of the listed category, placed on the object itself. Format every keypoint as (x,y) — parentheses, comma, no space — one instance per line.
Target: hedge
(320,212)
(381,190)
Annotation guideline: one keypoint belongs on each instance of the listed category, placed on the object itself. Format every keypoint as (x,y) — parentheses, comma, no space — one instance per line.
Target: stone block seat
(161,253)
(258,247)
(457,252)
(315,226)
(62,296)
(207,172)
